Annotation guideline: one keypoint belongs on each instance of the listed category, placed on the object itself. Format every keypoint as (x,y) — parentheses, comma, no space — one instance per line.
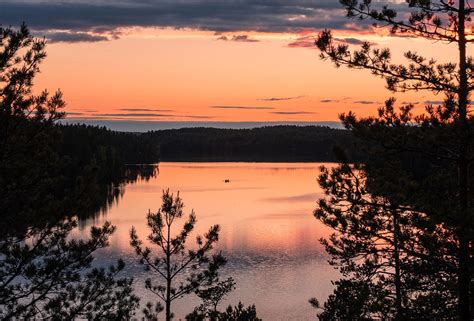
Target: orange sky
(189,75)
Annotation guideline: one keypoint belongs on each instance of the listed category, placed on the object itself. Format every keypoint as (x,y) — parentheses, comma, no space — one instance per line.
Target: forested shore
(264,144)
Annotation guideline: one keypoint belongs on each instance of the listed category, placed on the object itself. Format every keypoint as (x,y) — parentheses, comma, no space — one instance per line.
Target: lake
(268,232)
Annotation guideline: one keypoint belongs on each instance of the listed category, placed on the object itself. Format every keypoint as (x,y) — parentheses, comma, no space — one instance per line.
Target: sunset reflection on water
(268,232)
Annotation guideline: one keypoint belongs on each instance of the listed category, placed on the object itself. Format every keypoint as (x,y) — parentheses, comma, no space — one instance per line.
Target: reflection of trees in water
(141,172)
(110,193)
(43,273)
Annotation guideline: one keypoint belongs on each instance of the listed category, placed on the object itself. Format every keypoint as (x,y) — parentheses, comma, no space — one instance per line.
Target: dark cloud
(197,117)
(105,17)
(242,107)
(280,98)
(145,109)
(67,36)
(443,102)
(310,197)
(292,112)
(73,113)
(366,102)
(352,41)
(133,115)
(361,102)
(238,38)
(152,115)
(434,102)
(308,41)
(347,100)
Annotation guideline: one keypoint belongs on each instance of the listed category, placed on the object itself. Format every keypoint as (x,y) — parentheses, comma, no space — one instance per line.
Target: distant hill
(272,144)
(149,125)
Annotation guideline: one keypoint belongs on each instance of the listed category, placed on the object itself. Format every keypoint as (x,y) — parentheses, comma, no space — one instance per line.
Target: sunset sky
(206,60)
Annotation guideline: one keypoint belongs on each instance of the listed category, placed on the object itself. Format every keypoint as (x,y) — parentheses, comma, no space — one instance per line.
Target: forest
(107,150)
(265,144)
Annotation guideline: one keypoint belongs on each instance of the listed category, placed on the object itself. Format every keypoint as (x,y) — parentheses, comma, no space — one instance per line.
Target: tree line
(270,144)
(108,150)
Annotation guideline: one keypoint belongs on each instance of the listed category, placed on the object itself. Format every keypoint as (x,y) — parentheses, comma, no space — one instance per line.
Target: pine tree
(422,162)
(182,271)
(44,274)
(391,257)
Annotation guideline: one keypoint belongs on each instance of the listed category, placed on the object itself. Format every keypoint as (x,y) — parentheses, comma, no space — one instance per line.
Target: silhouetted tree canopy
(414,191)
(178,271)
(231,313)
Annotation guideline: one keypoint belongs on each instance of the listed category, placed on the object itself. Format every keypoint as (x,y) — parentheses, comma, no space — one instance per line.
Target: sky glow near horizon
(202,60)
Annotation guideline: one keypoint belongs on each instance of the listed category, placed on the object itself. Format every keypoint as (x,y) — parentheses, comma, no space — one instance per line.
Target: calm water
(268,233)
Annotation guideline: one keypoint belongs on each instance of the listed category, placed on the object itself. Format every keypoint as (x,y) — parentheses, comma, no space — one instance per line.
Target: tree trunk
(168,274)
(464,276)
(396,254)
(168,300)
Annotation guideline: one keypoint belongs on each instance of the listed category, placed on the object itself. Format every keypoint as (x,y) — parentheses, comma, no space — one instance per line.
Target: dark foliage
(211,297)
(95,162)
(239,313)
(180,271)
(46,276)
(44,273)
(361,297)
(396,262)
(232,313)
(409,208)
(276,143)
(108,150)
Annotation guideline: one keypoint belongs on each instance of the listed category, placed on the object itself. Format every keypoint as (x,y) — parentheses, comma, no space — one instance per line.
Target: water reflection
(98,201)
(140,172)
(268,231)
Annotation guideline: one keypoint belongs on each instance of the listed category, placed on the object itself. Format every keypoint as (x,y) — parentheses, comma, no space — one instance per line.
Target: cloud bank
(96,20)
(243,107)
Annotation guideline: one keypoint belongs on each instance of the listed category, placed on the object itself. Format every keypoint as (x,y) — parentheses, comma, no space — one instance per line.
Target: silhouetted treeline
(109,151)
(276,143)
(100,161)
